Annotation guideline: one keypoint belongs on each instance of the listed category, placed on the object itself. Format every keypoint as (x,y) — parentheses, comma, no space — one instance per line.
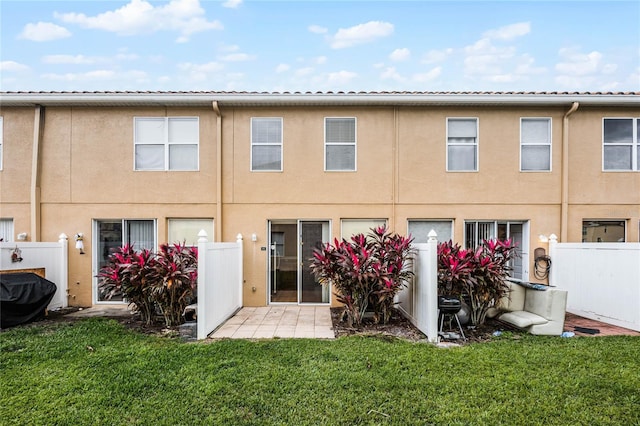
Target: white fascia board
(303,99)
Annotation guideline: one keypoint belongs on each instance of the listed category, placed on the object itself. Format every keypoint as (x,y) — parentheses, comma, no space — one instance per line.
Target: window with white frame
(620,144)
(185,231)
(419,230)
(535,144)
(266,144)
(475,232)
(603,231)
(340,144)
(462,144)
(1,139)
(6,230)
(352,227)
(166,143)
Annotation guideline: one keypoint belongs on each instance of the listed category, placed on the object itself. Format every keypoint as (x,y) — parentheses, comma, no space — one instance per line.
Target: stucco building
(289,170)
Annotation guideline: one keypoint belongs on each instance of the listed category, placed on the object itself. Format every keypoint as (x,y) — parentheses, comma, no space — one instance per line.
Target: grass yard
(95,372)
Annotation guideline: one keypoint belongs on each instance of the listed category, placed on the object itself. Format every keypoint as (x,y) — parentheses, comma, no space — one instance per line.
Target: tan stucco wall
(87,174)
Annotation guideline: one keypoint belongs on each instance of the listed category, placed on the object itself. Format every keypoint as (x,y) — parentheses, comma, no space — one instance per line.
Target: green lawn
(96,372)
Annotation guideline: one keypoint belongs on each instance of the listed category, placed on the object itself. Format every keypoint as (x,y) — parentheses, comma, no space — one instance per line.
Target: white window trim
(635,145)
(476,144)
(354,144)
(167,144)
(549,144)
(281,144)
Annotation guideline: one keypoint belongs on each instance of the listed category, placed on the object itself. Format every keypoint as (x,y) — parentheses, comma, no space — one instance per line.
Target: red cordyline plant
(124,274)
(172,278)
(478,274)
(366,272)
(164,282)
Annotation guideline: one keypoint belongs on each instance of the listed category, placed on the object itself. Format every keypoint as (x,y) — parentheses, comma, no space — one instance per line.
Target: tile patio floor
(284,321)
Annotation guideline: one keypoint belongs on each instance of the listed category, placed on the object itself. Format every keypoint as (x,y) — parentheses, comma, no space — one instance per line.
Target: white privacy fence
(53,257)
(219,283)
(602,279)
(419,300)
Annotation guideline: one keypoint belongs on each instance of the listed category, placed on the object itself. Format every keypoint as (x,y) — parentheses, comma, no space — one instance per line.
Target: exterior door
(291,245)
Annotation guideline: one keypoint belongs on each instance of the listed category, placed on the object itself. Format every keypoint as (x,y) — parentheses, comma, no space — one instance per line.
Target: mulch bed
(400,327)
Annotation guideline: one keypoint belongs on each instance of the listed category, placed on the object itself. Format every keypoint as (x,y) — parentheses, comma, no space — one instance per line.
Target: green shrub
(366,272)
(164,281)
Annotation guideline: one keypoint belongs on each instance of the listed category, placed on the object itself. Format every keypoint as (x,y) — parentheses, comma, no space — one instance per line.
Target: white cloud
(304,71)
(237,57)
(44,31)
(12,66)
(360,34)
(578,64)
(317,29)
(582,71)
(390,73)
(282,68)
(141,17)
(99,76)
(320,60)
(400,54)
(232,4)
(427,76)
(341,77)
(200,72)
(435,56)
(70,59)
(509,32)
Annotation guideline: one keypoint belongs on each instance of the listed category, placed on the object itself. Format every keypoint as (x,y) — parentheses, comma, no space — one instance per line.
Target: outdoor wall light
(543,238)
(22,236)
(79,242)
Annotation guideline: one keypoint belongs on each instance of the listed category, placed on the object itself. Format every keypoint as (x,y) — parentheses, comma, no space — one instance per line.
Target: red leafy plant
(150,282)
(478,274)
(366,272)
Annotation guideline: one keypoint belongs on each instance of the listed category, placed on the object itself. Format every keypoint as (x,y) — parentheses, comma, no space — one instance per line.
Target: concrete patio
(284,321)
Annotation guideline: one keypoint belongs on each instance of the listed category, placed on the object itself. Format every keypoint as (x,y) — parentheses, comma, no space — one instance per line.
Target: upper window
(603,231)
(620,144)
(166,143)
(535,144)
(462,144)
(266,144)
(340,144)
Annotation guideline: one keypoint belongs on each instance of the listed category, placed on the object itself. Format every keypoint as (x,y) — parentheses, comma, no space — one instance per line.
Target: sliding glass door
(110,235)
(291,245)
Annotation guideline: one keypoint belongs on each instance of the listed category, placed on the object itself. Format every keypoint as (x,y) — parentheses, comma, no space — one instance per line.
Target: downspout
(564,208)
(34,206)
(218,221)
(394,188)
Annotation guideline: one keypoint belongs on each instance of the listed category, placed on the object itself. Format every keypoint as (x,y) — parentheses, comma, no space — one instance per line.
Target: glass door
(113,234)
(291,245)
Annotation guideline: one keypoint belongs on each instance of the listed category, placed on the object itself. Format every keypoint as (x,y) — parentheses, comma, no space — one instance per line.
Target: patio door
(113,234)
(291,245)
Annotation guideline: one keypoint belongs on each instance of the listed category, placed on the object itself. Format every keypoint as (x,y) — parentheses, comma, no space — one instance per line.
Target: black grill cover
(23,298)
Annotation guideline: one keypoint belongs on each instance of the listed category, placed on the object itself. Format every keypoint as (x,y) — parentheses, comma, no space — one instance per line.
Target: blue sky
(276,46)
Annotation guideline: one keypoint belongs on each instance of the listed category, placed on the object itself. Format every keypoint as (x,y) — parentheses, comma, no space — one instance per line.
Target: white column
(202,290)
(63,240)
(431,299)
(553,241)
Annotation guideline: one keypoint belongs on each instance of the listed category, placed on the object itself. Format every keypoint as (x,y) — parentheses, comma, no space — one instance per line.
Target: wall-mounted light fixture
(79,242)
(543,238)
(254,237)
(22,236)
